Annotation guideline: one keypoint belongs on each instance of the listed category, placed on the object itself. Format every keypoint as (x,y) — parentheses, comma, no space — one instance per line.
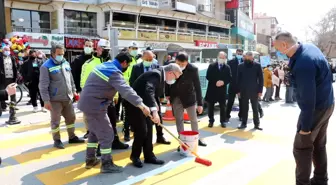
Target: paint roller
(185,147)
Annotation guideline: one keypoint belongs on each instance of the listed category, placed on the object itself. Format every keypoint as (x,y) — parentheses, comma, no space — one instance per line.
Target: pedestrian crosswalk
(29,158)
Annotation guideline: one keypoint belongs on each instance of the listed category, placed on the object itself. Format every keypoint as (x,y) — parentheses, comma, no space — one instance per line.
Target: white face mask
(87,50)
(287,50)
(222,61)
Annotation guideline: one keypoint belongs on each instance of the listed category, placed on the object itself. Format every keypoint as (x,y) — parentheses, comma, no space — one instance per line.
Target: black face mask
(32,57)
(105,53)
(248,61)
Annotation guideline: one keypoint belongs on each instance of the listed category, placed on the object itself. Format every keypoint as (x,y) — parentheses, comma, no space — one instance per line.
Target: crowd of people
(136,84)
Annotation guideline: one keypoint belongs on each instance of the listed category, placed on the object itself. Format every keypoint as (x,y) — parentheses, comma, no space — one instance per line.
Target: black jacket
(149,87)
(250,78)
(233,87)
(28,70)
(138,70)
(187,88)
(76,68)
(3,95)
(214,74)
(2,70)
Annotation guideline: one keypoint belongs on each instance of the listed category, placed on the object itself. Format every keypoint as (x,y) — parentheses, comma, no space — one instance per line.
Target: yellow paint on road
(77,172)
(17,142)
(190,172)
(283,173)
(251,135)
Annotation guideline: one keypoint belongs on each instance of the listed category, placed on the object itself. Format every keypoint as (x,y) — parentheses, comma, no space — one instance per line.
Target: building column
(57,19)
(100,23)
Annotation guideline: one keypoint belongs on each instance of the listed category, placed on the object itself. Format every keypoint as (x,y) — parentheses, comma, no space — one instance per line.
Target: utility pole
(2,20)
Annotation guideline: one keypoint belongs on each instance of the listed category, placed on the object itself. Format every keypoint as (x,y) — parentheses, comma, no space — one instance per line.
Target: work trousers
(232,97)
(3,86)
(117,107)
(289,95)
(268,94)
(101,132)
(34,92)
(245,99)
(312,148)
(143,134)
(65,109)
(277,90)
(179,112)
(211,110)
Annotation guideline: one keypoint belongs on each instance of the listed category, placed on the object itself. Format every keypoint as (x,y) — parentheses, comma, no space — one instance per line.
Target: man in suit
(186,94)
(138,69)
(149,86)
(250,86)
(218,76)
(233,87)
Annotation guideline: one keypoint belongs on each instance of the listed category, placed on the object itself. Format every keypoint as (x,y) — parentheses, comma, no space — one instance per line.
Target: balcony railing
(159,33)
(31,30)
(81,31)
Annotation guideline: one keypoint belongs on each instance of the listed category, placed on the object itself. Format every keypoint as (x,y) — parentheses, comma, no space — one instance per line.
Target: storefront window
(30,21)
(81,23)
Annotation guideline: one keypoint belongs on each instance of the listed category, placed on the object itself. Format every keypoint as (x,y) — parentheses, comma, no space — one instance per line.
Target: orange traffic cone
(168,116)
(185,116)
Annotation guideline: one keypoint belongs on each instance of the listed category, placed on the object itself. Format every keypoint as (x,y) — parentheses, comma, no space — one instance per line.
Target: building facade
(166,25)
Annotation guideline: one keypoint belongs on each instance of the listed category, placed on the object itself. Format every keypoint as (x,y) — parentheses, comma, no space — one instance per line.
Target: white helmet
(133,44)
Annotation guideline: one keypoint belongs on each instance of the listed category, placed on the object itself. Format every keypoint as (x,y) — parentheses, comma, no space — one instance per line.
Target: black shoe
(201,143)
(76,140)
(110,167)
(257,127)
(316,182)
(154,160)
(162,140)
(242,126)
(98,154)
(86,135)
(223,125)
(91,162)
(58,144)
(210,125)
(126,135)
(118,145)
(137,162)
(271,99)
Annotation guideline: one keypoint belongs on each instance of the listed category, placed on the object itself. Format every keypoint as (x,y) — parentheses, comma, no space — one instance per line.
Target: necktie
(220,66)
(147,69)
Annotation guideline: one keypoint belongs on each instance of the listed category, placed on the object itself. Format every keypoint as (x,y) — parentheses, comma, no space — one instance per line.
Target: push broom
(185,147)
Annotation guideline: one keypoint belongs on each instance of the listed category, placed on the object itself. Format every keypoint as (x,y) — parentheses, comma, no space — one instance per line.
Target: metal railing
(31,30)
(80,31)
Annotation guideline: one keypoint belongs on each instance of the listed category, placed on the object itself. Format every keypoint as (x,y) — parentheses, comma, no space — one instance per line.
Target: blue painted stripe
(155,172)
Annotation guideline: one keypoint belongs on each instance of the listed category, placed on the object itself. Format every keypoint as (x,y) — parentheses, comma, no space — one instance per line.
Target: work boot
(75,140)
(91,162)
(118,145)
(98,154)
(316,182)
(126,135)
(110,167)
(242,126)
(58,144)
(162,140)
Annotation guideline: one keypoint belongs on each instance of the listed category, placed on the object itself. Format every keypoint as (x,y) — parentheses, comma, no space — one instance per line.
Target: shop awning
(132,9)
(39,6)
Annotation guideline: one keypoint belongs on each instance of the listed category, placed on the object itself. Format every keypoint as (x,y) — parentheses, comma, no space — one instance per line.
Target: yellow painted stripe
(283,173)
(190,172)
(17,142)
(77,172)
(50,153)
(249,135)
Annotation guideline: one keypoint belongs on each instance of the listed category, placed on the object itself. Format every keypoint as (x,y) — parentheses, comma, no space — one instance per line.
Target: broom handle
(179,140)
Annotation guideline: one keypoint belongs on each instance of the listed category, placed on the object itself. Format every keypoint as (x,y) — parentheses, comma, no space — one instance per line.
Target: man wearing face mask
(218,76)
(250,86)
(133,51)
(150,87)
(138,69)
(311,77)
(97,95)
(31,72)
(8,73)
(57,90)
(100,56)
(268,83)
(186,93)
(77,64)
(233,86)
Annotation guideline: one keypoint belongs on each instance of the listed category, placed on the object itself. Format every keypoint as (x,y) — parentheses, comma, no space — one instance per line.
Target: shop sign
(245,22)
(38,40)
(206,44)
(77,43)
(150,3)
(156,45)
(57,39)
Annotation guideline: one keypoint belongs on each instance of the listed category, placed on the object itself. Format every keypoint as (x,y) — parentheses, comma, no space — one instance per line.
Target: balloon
(6,40)
(19,47)
(13,39)
(14,46)
(10,43)
(15,51)
(26,44)
(3,45)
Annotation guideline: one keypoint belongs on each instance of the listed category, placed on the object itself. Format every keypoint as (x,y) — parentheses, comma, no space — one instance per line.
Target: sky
(296,15)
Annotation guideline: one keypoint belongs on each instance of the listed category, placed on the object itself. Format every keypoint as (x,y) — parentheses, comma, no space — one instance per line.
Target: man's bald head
(148,56)
(284,41)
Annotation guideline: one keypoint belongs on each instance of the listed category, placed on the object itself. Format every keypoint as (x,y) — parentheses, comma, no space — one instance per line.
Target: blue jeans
(289,95)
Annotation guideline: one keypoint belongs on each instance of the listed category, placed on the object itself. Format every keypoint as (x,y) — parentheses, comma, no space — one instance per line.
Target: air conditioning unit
(201,7)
